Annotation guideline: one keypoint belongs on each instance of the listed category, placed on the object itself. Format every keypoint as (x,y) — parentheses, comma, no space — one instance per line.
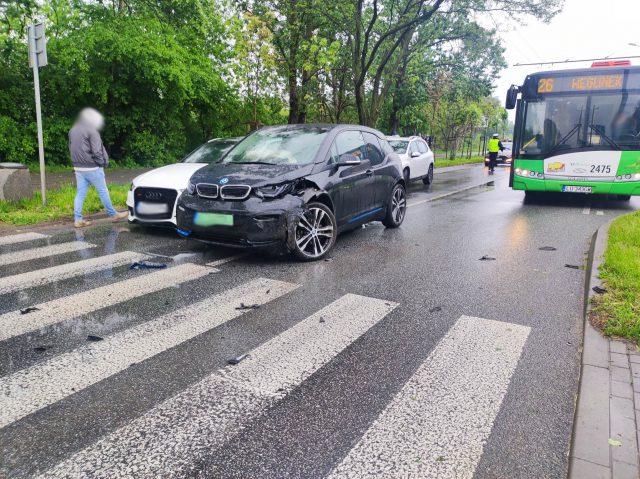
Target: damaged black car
(294,188)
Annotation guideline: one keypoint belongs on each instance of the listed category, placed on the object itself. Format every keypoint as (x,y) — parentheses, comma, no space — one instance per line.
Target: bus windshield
(599,121)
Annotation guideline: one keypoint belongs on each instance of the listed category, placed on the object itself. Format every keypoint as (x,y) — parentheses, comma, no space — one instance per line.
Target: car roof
(404,138)
(326,126)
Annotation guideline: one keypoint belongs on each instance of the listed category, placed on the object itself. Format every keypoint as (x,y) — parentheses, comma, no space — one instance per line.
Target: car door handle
(369,172)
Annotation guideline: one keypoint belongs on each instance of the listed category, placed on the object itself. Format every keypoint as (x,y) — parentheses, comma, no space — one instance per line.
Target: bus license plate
(576,189)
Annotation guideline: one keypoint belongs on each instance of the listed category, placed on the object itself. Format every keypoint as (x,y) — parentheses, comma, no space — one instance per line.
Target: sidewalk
(606,435)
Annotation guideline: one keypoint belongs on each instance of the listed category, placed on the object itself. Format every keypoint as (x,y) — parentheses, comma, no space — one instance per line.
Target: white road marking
(444,195)
(168,439)
(45,383)
(586,211)
(36,253)
(67,270)
(228,259)
(438,423)
(13,323)
(600,213)
(19,238)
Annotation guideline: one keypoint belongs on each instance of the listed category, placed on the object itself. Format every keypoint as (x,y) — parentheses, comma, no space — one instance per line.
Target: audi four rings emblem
(153,195)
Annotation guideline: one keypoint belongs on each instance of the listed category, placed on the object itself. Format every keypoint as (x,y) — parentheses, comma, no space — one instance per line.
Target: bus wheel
(624,197)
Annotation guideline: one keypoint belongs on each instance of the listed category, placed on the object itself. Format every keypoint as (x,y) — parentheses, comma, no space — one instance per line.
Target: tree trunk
(294,104)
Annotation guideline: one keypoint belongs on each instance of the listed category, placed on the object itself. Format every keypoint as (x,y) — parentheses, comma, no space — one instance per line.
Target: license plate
(145,208)
(212,219)
(576,189)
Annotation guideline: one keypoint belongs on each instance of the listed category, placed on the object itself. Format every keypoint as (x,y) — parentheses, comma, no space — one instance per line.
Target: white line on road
(228,259)
(67,270)
(444,195)
(43,384)
(600,213)
(438,423)
(586,211)
(168,439)
(13,323)
(19,238)
(36,253)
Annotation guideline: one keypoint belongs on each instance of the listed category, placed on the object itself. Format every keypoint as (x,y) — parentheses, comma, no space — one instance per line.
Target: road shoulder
(605,435)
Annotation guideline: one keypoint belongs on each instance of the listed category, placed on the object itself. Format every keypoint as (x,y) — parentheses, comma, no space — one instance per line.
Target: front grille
(235,192)
(155,196)
(207,190)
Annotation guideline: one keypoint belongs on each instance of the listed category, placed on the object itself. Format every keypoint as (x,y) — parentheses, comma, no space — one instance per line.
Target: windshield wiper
(603,135)
(564,139)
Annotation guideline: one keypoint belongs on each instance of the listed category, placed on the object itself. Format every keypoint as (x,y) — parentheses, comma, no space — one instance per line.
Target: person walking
(495,145)
(89,159)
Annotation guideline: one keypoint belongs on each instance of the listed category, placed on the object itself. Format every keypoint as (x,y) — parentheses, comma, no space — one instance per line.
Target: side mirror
(348,160)
(415,154)
(512,97)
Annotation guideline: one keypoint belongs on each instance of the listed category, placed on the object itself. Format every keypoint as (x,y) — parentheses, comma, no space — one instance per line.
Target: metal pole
(36,86)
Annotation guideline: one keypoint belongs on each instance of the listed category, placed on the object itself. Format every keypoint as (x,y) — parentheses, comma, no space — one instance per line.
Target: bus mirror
(512,97)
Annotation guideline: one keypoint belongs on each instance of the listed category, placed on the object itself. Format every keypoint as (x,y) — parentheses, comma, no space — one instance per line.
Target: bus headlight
(628,177)
(529,173)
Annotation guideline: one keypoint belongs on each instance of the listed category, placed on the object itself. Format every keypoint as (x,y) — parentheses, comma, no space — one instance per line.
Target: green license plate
(212,219)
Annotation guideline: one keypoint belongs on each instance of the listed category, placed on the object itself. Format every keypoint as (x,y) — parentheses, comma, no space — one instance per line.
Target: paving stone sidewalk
(606,436)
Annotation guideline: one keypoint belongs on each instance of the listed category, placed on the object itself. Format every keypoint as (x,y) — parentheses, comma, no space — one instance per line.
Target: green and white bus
(578,131)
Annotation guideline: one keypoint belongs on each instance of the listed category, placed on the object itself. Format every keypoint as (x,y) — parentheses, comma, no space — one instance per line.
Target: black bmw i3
(294,188)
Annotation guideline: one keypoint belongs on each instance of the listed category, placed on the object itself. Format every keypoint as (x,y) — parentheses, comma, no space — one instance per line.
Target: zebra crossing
(435,426)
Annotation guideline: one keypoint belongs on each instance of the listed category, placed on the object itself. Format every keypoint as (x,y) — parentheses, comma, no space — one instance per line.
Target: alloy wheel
(398,205)
(314,233)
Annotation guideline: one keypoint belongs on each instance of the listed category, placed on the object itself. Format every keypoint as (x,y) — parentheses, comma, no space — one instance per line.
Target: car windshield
(210,152)
(555,124)
(399,146)
(280,146)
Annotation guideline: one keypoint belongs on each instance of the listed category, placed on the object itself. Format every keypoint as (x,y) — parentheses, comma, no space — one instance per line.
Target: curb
(66,223)
(605,405)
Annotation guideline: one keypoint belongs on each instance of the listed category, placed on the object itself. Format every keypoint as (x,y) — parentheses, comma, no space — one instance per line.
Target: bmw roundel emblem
(224,181)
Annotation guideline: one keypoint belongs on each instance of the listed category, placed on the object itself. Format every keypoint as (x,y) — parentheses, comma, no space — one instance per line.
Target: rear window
(399,146)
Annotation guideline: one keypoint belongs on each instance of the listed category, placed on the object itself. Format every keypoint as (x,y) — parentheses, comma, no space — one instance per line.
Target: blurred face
(92,118)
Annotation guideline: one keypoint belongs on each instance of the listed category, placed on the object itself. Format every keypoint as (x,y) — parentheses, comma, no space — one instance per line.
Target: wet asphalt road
(496,395)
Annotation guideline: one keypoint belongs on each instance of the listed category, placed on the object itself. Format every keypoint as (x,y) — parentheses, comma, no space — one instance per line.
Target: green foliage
(169,75)
(619,308)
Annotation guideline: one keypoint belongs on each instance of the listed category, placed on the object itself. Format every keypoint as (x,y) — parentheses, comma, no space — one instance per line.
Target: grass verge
(59,205)
(463,160)
(617,311)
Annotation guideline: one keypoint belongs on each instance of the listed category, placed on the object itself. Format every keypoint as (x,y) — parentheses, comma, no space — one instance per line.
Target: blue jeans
(85,179)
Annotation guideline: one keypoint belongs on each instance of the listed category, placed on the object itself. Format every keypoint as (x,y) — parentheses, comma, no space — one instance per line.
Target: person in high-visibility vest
(495,145)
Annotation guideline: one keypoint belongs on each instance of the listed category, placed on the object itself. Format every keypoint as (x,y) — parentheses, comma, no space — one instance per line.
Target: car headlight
(273,191)
(191,187)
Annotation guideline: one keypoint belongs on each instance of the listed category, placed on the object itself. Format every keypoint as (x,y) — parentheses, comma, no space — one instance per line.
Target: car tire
(407,176)
(396,207)
(315,232)
(427,180)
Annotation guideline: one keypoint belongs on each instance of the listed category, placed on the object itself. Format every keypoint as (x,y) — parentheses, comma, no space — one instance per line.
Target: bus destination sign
(580,83)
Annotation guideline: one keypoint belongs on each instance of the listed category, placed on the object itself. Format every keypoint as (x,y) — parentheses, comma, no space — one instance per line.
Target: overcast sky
(584,29)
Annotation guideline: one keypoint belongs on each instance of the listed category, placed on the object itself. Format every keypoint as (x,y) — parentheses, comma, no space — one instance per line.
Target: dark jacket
(86,148)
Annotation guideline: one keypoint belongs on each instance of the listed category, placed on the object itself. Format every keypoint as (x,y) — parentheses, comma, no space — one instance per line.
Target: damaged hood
(174,176)
(250,174)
